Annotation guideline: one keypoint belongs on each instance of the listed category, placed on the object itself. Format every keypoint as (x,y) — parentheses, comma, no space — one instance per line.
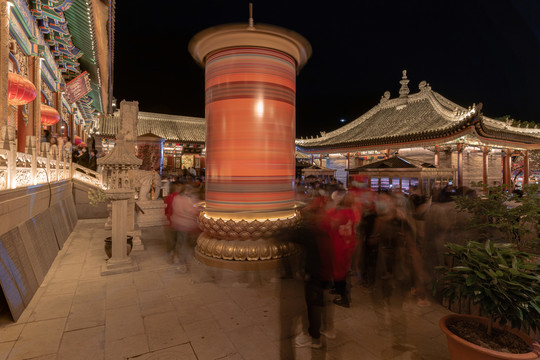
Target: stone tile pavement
(160,313)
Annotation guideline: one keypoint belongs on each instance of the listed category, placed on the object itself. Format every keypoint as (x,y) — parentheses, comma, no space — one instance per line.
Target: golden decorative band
(245,230)
(244,250)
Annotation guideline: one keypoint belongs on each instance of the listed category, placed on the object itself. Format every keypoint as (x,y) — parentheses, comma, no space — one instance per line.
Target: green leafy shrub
(97,196)
(497,212)
(500,278)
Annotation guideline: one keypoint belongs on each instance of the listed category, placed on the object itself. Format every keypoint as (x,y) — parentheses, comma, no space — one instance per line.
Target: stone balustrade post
(47,154)
(27,146)
(57,156)
(31,144)
(67,164)
(12,167)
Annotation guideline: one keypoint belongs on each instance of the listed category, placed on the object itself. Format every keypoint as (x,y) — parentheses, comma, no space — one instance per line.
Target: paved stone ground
(158,313)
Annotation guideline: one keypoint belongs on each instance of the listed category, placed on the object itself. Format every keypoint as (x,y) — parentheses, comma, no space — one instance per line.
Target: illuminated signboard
(78,87)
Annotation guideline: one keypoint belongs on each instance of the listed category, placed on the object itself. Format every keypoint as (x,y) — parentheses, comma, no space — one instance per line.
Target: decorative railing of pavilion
(22,169)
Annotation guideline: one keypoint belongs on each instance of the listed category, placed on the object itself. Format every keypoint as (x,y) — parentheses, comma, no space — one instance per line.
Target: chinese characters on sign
(78,87)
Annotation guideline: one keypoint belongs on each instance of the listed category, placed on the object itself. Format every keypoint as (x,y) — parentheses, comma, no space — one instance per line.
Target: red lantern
(82,144)
(77,140)
(49,115)
(21,91)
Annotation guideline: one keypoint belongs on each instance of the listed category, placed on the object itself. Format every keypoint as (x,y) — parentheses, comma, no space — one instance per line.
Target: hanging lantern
(49,115)
(21,91)
(77,140)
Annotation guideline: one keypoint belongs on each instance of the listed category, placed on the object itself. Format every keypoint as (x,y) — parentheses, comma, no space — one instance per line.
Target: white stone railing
(19,169)
(86,175)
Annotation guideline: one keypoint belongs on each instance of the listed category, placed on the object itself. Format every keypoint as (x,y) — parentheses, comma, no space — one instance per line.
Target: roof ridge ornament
(250,23)
(404,90)
(385,97)
(424,86)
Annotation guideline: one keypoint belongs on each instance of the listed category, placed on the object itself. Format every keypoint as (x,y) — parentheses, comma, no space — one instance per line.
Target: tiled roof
(169,127)
(424,117)
(396,162)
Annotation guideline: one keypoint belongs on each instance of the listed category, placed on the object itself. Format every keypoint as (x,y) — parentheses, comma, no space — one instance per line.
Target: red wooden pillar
(507,167)
(320,160)
(347,169)
(526,168)
(387,152)
(23,129)
(504,167)
(460,164)
(485,165)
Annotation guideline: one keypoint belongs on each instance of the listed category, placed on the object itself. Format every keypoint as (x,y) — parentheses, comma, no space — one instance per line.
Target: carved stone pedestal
(137,241)
(153,213)
(120,262)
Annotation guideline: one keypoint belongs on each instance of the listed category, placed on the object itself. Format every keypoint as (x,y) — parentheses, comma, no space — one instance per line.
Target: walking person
(317,276)
(340,223)
(184,222)
(175,188)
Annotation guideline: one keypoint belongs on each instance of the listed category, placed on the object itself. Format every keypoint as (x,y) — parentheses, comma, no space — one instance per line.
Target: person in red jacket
(175,189)
(340,222)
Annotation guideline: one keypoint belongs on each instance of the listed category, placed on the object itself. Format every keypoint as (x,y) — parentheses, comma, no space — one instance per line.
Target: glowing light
(9,5)
(342,120)
(259,108)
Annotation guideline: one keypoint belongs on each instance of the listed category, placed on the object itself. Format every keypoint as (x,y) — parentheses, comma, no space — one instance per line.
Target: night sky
(468,51)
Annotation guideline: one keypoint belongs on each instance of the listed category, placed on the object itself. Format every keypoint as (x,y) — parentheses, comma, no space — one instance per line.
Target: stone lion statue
(142,182)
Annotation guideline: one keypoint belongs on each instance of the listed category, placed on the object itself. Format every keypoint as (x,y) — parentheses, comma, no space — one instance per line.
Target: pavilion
(430,128)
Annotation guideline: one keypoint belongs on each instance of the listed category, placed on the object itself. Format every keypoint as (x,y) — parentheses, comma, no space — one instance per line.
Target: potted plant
(499,277)
(505,284)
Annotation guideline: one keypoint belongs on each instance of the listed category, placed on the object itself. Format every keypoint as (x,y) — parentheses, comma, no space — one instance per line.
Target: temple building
(427,127)
(58,67)
(56,61)
(166,143)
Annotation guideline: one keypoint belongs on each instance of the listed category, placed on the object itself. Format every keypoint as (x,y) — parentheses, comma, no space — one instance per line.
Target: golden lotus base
(257,265)
(260,254)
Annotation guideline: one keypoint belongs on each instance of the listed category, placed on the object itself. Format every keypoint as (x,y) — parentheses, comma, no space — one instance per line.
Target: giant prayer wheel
(250,92)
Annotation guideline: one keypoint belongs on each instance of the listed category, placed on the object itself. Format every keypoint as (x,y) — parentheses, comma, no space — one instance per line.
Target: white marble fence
(22,169)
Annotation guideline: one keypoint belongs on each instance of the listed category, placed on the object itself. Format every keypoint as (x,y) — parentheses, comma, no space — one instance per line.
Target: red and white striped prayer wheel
(250,90)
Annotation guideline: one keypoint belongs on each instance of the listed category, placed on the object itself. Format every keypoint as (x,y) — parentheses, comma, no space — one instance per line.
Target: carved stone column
(250,153)
(117,165)
(4,66)
(119,262)
(129,115)
(7,132)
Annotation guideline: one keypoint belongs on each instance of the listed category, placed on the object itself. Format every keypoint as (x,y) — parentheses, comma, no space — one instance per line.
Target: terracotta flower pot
(108,246)
(461,349)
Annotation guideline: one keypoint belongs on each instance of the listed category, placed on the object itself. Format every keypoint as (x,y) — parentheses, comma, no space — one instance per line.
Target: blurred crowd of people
(350,237)
(357,237)
(80,155)
(182,210)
